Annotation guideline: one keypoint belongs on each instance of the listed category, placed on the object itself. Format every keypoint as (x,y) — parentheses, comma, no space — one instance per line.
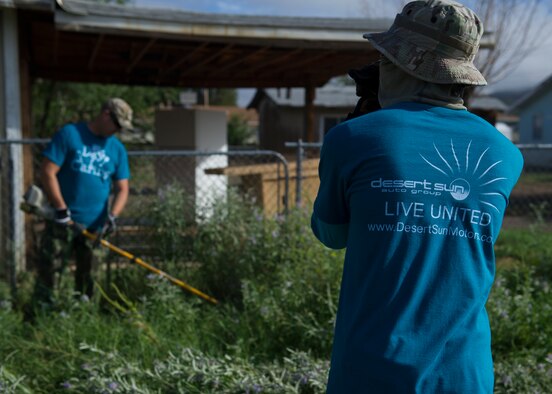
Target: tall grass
(271,332)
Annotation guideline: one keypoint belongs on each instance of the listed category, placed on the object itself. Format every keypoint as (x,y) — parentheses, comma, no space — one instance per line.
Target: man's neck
(94,128)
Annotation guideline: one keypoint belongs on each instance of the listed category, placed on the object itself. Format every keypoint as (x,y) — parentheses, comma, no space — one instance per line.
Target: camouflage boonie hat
(121,110)
(435,41)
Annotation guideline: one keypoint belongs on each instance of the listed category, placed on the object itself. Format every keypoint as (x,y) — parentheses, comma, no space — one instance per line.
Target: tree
(238,131)
(216,96)
(517,27)
(56,103)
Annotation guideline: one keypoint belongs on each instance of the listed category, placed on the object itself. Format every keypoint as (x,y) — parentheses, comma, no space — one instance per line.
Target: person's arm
(120,197)
(333,236)
(330,216)
(50,184)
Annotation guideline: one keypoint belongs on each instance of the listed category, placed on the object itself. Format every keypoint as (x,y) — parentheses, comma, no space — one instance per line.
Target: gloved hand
(62,216)
(110,225)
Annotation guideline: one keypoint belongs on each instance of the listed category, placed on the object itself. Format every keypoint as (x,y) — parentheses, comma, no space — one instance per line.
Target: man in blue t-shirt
(80,165)
(416,192)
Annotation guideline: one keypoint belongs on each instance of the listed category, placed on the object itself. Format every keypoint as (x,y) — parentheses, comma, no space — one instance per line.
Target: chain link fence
(530,201)
(305,171)
(169,191)
(168,188)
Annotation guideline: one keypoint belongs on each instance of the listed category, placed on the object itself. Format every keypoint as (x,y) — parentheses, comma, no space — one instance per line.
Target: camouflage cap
(121,110)
(435,41)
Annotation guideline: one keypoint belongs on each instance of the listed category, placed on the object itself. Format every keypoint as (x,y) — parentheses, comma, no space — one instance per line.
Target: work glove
(62,216)
(64,225)
(110,225)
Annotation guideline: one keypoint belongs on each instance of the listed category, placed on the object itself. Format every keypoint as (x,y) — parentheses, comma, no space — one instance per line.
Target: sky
(530,72)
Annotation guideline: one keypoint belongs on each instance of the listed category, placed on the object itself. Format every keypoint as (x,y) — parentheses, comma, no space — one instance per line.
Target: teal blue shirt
(88,164)
(416,194)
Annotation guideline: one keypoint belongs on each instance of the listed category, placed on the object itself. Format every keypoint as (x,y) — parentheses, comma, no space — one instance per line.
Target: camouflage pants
(58,244)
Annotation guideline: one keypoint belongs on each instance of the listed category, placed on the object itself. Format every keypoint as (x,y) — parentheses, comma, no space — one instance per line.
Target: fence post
(299,168)
(11,129)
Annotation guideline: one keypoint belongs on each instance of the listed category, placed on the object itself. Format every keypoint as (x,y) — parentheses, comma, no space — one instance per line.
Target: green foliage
(10,383)
(520,312)
(271,332)
(525,246)
(57,103)
(223,96)
(190,371)
(171,220)
(523,374)
(238,131)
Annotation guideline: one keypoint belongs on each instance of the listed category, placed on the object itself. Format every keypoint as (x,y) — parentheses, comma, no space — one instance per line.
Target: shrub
(239,132)
(271,332)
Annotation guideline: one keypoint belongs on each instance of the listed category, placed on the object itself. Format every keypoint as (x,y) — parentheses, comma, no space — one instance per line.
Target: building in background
(494,111)
(281,113)
(535,115)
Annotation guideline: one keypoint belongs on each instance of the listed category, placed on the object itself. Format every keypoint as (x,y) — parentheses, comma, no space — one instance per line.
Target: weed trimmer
(35,203)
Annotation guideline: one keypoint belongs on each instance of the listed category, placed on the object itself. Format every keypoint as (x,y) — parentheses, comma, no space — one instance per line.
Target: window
(538,124)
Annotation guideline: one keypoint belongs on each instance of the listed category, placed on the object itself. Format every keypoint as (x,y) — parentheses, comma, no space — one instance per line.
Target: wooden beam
(184,58)
(242,59)
(275,59)
(297,64)
(206,60)
(162,66)
(140,55)
(292,79)
(95,52)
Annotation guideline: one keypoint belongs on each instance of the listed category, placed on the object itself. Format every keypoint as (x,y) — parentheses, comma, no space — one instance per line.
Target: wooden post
(309,113)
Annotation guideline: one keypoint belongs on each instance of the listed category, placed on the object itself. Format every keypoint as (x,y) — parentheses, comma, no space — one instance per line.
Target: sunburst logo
(464,175)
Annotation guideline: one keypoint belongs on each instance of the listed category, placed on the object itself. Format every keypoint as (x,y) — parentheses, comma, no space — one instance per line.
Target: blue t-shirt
(417,194)
(88,164)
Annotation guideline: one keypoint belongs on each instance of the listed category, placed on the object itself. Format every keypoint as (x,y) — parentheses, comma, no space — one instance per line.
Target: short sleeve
(330,218)
(57,148)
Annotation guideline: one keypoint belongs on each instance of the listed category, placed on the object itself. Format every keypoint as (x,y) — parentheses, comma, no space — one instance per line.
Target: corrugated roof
(91,16)
(84,7)
(175,21)
(95,42)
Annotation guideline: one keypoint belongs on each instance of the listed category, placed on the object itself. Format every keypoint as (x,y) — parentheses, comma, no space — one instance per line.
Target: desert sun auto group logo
(472,171)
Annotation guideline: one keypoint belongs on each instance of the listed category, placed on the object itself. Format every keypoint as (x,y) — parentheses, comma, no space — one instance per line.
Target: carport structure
(86,41)
(83,41)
